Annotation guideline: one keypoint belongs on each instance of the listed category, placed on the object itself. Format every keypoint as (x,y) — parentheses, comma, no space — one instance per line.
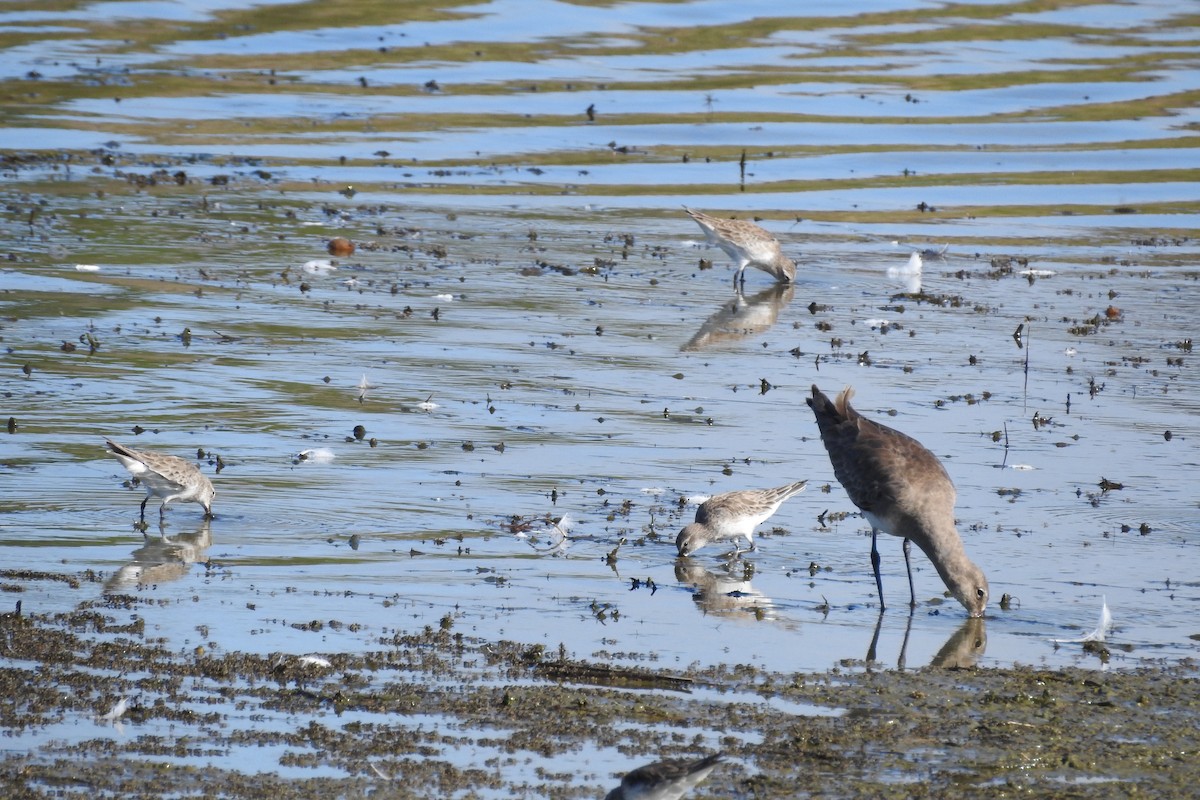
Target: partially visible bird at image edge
(664,780)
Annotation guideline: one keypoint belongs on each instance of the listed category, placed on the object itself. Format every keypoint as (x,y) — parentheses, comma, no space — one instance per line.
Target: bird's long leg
(144,508)
(739,277)
(912,593)
(875,565)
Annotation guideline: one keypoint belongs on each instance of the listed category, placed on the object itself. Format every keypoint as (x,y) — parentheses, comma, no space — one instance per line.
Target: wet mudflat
(529,328)
(434,713)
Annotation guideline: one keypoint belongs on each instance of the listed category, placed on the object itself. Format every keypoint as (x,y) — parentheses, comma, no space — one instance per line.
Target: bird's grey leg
(144,508)
(912,593)
(740,275)
(875,566)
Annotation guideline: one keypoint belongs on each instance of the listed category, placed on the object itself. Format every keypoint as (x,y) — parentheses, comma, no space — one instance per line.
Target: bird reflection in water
(963,649)
(726,593)
(742,316)
(160,560)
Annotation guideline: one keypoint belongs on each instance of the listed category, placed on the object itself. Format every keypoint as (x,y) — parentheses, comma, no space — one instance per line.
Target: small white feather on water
(316,455)
(558,532)
(1037,273)
(446,298)
(86,268)
(116,712)
(364,386)
(318,266)
(910,273)
(428,404)
(314,661)
(912,267)
(1102,630)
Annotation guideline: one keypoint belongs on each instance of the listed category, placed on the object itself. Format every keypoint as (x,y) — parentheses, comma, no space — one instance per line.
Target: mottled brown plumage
(733,515)
(747,244)
(168,477)
(902,489)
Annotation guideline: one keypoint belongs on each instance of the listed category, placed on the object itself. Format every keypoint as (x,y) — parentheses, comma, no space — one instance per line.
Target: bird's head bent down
(970,587)
(691,538)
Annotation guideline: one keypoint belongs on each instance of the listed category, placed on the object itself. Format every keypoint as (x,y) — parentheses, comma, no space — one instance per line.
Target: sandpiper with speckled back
(733,515)
(747,244)
(169,477)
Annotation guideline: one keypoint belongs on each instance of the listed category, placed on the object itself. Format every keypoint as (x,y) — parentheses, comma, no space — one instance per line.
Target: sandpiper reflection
(963,649)
(161,559)
(727,592)
(742,316)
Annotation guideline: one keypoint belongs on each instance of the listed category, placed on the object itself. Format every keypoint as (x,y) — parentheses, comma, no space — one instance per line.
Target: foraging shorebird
(902,489)
(664,780)
(747,244)
(168,477)
(733,515)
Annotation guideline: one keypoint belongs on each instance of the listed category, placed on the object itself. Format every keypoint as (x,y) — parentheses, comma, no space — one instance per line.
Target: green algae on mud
(344,724)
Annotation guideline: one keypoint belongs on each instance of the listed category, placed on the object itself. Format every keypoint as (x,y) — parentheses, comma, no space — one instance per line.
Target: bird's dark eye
(979,593)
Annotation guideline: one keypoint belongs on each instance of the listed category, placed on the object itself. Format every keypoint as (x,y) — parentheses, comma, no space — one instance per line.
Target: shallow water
(580,361)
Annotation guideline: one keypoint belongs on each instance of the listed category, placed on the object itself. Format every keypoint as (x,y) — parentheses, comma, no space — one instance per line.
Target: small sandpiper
(902,489)
(747,244)
(168,477)
(664,780)
(733,515)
